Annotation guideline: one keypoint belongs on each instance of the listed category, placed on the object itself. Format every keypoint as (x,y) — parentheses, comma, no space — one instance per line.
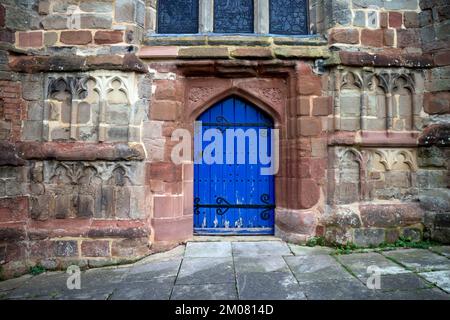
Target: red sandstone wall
(364,152)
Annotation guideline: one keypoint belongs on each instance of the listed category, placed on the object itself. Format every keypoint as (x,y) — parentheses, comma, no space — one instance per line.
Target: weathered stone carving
(74,85)
(200,94)
(351,183)
(98,106)
(374,173)
(274,95)
(86,189)
(375,100)
(392,172)
(394,159)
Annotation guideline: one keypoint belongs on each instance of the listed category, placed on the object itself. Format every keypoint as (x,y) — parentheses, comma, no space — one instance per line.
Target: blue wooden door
(234,198)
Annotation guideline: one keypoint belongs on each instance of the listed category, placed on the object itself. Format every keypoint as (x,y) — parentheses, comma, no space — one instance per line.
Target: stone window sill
(233,46)
(232,39)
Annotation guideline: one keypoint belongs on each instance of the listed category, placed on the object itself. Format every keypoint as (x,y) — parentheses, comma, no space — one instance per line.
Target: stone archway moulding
(277,88)
(268,95)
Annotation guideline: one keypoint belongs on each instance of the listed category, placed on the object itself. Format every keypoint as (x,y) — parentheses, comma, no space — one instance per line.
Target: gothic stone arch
(279,91)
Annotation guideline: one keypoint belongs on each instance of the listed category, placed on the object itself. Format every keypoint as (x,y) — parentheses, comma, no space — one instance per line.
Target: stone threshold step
(233,238)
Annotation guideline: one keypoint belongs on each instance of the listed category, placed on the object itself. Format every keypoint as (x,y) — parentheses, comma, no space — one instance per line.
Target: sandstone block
(310,85)
(32,39)
(76,37)
(372,38)
(108,37)
(322,106)
(309,193)
(66,248)
(350,36)
(395,20)
(310,126)
(96,248)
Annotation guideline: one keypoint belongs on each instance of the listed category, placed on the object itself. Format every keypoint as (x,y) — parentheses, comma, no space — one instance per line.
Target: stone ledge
(231,39)
(387,58)
(374,138)
(71,63)
(81,151)
(227,68)
(69,151)
(293,52)
(233,52)
(89,228)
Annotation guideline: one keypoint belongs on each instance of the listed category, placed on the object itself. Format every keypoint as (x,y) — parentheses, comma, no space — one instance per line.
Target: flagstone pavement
(269,269)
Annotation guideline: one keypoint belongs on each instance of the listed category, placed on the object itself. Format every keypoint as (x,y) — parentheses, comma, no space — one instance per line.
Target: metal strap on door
(222,206)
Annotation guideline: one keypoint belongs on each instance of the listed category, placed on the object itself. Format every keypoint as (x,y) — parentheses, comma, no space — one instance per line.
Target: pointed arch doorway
(233,197)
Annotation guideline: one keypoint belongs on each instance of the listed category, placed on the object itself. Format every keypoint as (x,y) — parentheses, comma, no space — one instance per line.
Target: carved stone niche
(392,172)
(96,106)
(375,100)
(102,190)
(349,178)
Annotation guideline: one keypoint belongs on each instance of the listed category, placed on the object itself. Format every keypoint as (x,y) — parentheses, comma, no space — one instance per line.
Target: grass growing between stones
(408,243)
(37,269)
(347,248)
(316,241)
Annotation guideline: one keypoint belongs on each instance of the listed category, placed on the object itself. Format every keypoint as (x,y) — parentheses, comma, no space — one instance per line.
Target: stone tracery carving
(274,95)
(200,94)
(363,94)
(394,159)
(98,106)
(374,173)
(85,189)
(351,178)
(74,85)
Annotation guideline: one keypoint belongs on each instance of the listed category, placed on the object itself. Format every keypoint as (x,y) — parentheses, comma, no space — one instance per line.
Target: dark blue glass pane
(289,16)
(177,16)
(233,16)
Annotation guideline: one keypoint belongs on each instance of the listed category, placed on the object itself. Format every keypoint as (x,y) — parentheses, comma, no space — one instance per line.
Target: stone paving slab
(338,289)
(95,278)
(308,251)
(419,260)
(439,278)
(177,252)
(14,283)
(359,262)
(260,264)
(46,285)
(103,293)
(221,291)
(154,270)
(206,271)
(316,268)
(422,294)
(401,282)
(443,250)
(150,290)
(95,284)
(268,286)
(261,248)
(208,249)
(235,238)
(250,270)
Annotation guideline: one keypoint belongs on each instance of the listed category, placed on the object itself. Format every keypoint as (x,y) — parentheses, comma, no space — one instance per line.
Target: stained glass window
(233,16)
(289,17)
(177,16)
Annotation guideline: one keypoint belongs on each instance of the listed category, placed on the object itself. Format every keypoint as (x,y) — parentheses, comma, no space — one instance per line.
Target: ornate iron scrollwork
(265,214)
(222,206)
